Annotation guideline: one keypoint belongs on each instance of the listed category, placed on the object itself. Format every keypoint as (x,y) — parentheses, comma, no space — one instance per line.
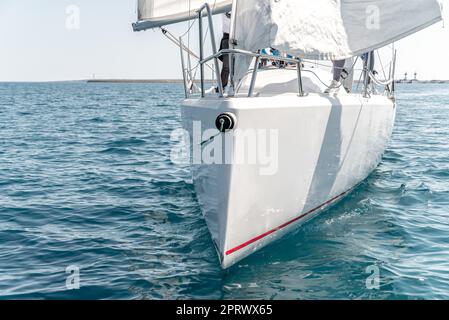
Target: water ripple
(87,181)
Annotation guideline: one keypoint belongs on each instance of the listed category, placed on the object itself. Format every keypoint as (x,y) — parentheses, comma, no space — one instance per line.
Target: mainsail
(326,29)
(156,13)
(329,29)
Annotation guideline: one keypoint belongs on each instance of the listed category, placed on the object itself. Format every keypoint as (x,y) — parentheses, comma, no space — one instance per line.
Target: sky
(40,41)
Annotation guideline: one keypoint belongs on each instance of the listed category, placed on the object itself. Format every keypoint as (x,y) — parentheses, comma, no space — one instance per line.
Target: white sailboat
(324,144)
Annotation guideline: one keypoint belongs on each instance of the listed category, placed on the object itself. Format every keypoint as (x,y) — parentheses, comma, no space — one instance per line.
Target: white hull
(326,146)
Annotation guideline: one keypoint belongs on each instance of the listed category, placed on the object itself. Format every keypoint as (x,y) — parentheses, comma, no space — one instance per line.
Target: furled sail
(156,13)
(329,29)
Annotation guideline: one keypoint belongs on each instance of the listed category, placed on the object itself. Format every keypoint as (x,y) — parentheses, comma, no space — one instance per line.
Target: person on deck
(264,62)
(225,45)
(338,70)
(335,85)
(368,57)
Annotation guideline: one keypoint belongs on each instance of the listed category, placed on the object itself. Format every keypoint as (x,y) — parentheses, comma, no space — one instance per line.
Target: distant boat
(326,143)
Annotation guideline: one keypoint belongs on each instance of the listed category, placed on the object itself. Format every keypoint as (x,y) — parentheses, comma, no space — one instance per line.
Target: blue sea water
(86,181)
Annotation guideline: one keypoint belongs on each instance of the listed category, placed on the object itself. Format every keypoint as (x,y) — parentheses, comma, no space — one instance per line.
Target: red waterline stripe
(266,234)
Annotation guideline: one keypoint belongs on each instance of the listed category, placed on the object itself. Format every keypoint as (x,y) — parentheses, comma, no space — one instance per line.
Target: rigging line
(207,27)
(191,24)
(204,41)
(319,79)
(381,64)
(358,83)
(379,82)
(327,66)
(172,38)
(341,84)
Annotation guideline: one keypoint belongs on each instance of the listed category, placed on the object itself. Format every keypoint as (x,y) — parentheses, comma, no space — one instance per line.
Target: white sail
(156,13)
(329,29)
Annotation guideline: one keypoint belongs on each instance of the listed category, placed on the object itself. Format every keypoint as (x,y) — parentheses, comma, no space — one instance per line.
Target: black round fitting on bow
(226,122)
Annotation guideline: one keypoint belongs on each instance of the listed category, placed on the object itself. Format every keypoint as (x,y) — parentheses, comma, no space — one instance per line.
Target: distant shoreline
(177,81)
(422,81)
(416,81)
(135,81)
(180,81)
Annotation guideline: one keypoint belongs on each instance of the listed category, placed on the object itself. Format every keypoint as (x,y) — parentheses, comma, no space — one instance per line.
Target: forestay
(156,13)
(329,29)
